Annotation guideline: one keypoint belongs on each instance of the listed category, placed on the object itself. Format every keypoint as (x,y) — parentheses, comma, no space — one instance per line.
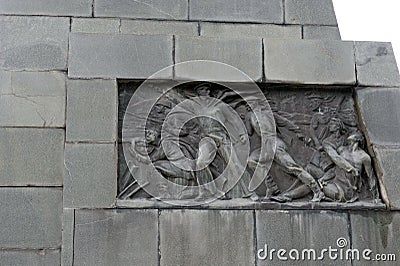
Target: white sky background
(370,20)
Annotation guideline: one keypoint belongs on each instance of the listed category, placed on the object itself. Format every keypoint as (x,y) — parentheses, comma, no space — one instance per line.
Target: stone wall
(59,65)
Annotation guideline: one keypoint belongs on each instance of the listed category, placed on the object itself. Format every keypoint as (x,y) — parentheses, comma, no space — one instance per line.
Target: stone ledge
(29,257)
(309,62)
(321,33)
(148,27)
(95,25)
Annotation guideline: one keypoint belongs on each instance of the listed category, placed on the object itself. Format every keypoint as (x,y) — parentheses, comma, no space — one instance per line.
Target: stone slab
(30,218)
(38,83)
(389,163)
(378,232)
(46,7)
(147,9)
(30,257)
(250,30)
(321,32)
(90,176)
(5,82)
(205,237)
(95,25)
(299,230)
(314,12)
(376,64)
(115,237)
(32,111)
(244,54)
(270,11)
(92,110)
(33,43)
(380,112)
(309,61)
(31,157)
(143,27)
(118,56)
(67,249)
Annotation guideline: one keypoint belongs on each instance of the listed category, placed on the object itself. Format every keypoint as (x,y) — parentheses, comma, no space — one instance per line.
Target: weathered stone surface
(95,25)
(156,9)
(67,249)
(90,176)
(270,11)
(242,53)
(91,110)
(38,83)
(314,12)
(300,230)
(5,82)
(33,157)
(34,99)
(118,56)
(32,111)
(45,7)
(376,64)
(30,257)
(33,43)
(378,232)
(193,237)
(143,27)
(389,163)
(321,32)
(309,61)
(380,112)
(30,217)
(250,30)
(127,237)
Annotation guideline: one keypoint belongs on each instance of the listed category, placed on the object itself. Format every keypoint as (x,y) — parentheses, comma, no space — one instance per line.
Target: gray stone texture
(119,237)
(377,231)
(33,43)
(90,176)
(95,25)
(45,7)
(38,83)
(148,9)
(30,218)
(389,163)
(380,112)
(31,157)
(67,248)
(35,99)
(206,237)
(266,11)
(309,61)
(148,27)
(118,56)
(376,64)
(321,33)
(30,257)
(250,30)
(92,110)
(242,53)
(300,230)
(314,12)
(5,82)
